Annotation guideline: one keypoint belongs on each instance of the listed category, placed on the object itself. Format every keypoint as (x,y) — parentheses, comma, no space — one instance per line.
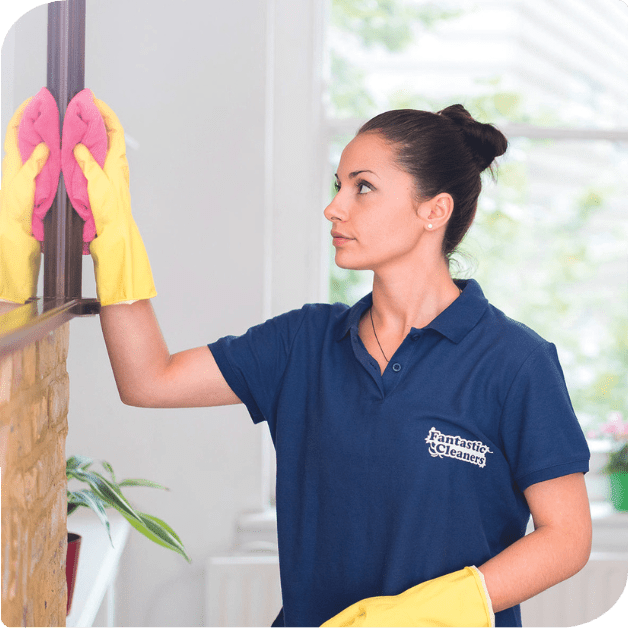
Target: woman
(415,431)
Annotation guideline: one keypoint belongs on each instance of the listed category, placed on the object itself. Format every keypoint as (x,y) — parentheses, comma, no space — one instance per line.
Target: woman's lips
(339,238)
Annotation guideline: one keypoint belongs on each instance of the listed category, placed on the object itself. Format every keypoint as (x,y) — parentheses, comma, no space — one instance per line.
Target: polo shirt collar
(455,322)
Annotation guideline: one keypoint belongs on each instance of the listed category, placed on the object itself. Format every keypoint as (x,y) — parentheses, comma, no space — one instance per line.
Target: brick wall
(34,391)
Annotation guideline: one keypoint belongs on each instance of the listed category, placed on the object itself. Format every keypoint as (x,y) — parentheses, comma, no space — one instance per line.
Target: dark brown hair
(444,152)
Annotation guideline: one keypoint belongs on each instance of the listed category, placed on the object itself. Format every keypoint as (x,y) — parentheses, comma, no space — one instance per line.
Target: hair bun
(485,141)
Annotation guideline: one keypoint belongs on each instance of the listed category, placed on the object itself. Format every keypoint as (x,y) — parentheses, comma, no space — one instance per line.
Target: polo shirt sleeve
(253,364)
(541,435)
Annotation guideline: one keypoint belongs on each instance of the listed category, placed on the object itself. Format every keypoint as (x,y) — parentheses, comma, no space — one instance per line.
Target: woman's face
(374,207)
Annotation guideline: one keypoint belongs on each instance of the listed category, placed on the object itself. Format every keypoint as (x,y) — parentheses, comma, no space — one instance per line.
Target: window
(548,243)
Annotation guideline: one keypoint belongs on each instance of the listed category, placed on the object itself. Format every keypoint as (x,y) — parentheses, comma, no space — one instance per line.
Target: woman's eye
(364,188)
(336,186)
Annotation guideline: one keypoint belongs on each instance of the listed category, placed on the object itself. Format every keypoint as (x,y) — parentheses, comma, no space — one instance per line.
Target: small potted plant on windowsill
(617,467)
(106,492)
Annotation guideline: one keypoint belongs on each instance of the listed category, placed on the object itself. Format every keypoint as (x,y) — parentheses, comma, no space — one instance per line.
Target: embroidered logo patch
(441,445)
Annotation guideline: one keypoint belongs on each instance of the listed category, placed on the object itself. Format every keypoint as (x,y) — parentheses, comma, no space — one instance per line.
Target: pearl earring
(429,226)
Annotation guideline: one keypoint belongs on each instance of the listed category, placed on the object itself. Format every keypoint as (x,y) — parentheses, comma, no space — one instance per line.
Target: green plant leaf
(103,493)
(159,532)
(107,491)
(162,523)
(158,525)
(75,462)
(85,497)
(96,480)
(139,482)
(109,468)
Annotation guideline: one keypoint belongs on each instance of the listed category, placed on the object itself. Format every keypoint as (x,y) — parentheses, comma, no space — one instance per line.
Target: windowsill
(21,325)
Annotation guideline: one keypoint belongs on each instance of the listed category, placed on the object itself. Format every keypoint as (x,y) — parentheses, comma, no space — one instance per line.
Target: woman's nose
(334,210)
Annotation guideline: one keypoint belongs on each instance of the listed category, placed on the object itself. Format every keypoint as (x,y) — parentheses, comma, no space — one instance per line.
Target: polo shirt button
(396,367)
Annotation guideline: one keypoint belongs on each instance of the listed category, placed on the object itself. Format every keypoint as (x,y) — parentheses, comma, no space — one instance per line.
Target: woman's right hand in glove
(20,252)
(121,263)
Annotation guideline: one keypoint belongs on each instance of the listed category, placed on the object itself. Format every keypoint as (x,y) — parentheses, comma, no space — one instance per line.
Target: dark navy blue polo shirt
(385,481)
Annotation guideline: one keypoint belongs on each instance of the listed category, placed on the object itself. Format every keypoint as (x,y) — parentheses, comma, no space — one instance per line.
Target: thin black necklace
(373,324)
(376,338)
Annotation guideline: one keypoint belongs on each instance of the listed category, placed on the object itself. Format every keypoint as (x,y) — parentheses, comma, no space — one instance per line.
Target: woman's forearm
(136,347)
(536,562)
(558,548)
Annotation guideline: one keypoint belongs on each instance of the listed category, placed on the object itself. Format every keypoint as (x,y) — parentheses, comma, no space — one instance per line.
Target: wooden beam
(63,227)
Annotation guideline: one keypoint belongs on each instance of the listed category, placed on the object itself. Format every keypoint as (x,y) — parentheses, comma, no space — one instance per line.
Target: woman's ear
(437,211)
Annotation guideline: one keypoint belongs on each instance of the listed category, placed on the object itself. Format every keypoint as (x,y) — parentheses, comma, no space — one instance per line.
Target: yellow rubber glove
(121,263)
(457,599)
(20,252)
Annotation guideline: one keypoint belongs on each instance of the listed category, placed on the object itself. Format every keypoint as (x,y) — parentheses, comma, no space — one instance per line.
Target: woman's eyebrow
(352,175)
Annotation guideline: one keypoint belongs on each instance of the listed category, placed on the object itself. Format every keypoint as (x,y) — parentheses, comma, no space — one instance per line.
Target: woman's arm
(147,375)
(558,548)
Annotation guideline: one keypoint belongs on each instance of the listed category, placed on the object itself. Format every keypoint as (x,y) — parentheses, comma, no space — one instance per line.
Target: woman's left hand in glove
(456,599)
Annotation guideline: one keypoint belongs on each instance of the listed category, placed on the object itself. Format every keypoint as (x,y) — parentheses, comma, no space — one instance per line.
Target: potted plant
(617,467)
(106,492)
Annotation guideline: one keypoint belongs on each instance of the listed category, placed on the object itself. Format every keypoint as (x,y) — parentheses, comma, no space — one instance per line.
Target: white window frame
(295,168)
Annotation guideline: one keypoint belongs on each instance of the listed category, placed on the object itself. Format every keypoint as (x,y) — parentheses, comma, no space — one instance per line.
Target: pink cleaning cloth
(40,123)
(82,124)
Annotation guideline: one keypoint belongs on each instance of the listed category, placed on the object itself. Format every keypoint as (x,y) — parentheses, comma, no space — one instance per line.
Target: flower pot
(619,491)
(71,564)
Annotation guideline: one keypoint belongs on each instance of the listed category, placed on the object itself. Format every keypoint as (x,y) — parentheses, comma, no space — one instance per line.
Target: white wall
(220,102)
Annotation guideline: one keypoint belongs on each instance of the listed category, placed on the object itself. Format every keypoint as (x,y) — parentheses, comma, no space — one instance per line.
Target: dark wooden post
(63,227)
